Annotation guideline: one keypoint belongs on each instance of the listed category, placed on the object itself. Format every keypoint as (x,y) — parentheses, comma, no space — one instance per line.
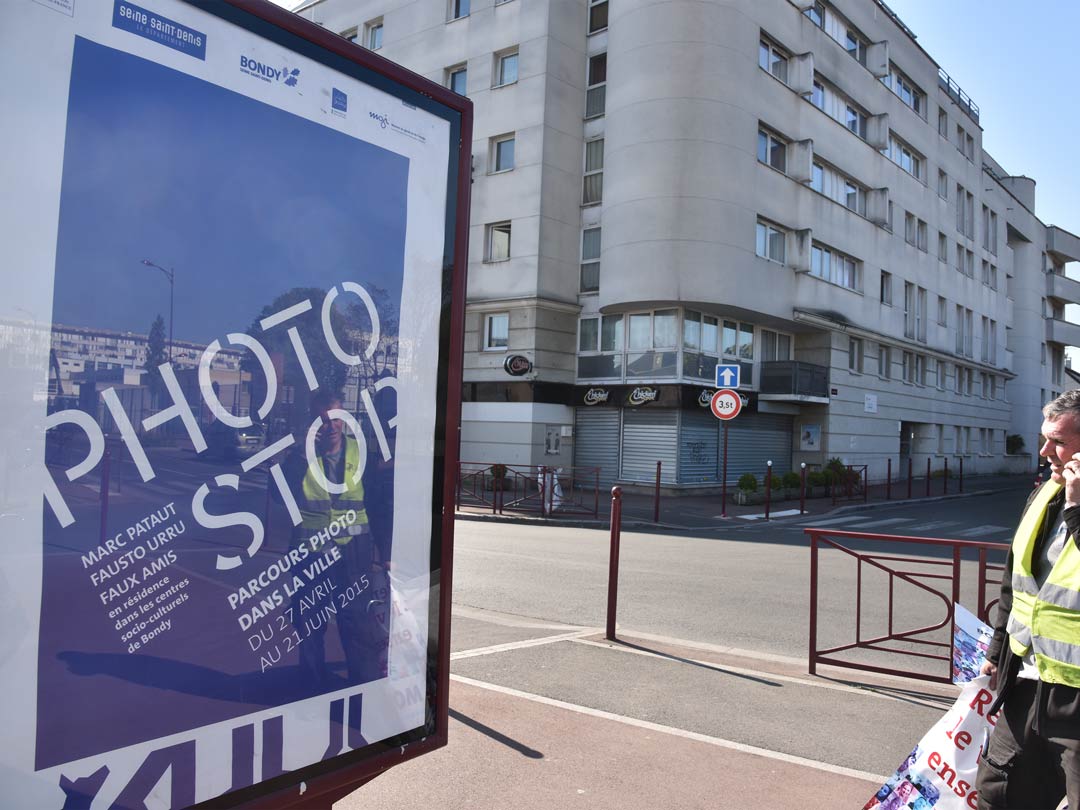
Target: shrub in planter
(816,478)
(748,482)
(792,480)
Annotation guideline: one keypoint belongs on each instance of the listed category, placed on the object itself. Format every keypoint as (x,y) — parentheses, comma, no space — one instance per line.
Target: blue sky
(1016,62)
(243,200)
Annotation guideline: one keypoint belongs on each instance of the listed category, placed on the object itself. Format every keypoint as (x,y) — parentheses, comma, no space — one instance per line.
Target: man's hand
(990,669)
(1071,473)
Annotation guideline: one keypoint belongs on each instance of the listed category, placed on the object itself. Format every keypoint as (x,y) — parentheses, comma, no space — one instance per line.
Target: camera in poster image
(224,343)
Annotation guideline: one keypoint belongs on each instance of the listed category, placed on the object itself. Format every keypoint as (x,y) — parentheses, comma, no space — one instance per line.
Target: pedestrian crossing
(958,529)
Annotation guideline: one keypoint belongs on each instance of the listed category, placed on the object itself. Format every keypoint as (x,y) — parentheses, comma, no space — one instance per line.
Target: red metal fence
(909,561)
(527,489)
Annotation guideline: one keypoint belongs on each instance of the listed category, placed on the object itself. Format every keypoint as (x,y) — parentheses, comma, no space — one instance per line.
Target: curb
(524,520)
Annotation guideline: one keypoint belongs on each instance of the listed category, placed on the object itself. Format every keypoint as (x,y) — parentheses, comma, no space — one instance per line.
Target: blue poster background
(251,209)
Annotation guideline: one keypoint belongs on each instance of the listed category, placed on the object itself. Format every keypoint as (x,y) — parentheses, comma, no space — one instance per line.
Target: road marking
(984,530)
(520,645)
(868,691)
(784,513)
(883,522)
(832,521)
(934,524)
(791,759)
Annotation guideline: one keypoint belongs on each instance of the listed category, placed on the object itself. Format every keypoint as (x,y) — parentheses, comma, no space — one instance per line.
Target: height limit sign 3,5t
(725,404)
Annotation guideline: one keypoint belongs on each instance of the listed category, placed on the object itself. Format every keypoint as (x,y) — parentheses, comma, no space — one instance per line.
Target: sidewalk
(688,512)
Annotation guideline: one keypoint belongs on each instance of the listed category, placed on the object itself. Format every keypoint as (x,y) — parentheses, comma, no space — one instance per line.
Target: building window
(941,375)
(502,153)
(943,123)
(855,355)
(855,120)
(969,336)
(590,260)
(817,178)
(854,197)
(497,244)
(816,14)
(969,264)
(920,369)
(942,185)
(596,94)
(942,247)
(772,59)
(459,9)
(771,150)
(907,91)
(373,37)
(942,310)
(506,68)
(905,157)
(588,334)
(833,266)
(909,228)
(593,181)
(598,15)
(922,236)
(969,215)
(770,241)
(969,147)
(352,34)
(456,79)
(884,362)
(817,96)
(993,233)
(886,288)
(920,314)
(855,45)
(908,362)
(909,309)
(496,331)
(774,346)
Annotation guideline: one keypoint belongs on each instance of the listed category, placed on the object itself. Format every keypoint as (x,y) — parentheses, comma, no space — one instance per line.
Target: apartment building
(790,185)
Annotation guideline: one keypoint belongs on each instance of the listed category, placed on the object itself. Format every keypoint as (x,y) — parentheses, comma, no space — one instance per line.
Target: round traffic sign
(725,404)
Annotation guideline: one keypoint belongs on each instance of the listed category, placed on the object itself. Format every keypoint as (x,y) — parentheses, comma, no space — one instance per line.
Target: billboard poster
(219,345)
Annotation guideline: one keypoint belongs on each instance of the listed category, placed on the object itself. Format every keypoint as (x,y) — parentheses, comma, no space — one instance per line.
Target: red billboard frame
(322,790)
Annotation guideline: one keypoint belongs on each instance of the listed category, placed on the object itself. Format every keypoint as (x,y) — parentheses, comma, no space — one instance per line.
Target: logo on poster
(384,120)
(338,100)
(269,74)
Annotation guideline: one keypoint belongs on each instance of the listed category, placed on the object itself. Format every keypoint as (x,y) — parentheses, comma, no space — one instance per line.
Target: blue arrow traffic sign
(727,376)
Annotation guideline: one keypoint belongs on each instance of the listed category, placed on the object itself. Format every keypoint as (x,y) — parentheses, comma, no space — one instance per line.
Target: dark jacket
(1058,705)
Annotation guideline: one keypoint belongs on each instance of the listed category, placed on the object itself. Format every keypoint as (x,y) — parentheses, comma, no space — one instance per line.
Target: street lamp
(170,274)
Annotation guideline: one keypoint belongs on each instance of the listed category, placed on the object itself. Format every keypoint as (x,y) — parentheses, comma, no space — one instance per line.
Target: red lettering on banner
(982,700)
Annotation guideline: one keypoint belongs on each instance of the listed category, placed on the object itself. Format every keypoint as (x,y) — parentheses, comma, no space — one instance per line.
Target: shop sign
(642,395)
(517,366)
(596,396)
(705,398)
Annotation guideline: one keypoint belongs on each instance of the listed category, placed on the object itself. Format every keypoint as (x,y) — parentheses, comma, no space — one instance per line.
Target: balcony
(1063,332)
(1060,241)
(1062,288)
(792,381)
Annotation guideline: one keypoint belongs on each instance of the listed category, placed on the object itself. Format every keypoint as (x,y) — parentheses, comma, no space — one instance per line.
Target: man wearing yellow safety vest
(1033,757)
(329,492)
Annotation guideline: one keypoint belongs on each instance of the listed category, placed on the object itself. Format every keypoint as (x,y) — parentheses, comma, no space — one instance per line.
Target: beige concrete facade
(896,253)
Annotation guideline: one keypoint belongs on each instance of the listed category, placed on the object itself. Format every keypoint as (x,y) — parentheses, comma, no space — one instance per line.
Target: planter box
(744,498)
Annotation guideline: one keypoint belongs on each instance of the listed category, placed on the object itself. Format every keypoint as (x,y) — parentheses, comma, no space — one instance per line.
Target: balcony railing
(959,96)
(794,379)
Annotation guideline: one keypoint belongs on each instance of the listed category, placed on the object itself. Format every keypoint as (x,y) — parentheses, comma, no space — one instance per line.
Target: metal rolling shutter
(698,448)
(596,442)
(650,435)
(753,439)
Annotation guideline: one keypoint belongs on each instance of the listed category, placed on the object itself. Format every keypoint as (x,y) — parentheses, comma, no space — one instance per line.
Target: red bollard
(656,496)
(802,491)
(927,477)
(910,469)
(945,491)
(888,480)
(768,487)
(105,464)
(613,561)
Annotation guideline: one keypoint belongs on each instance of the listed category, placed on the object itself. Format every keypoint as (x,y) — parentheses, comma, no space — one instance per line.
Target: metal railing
(959,96)
(546,491)
(924,641)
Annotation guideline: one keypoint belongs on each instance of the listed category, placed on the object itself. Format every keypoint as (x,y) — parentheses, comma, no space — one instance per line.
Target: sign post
(725,406)
(259,613)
